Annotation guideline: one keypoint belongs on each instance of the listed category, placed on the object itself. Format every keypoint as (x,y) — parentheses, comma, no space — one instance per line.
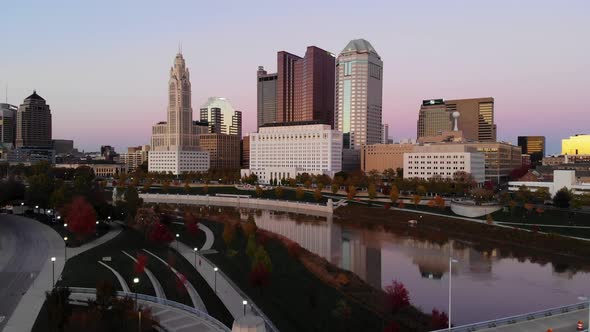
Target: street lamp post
(177,236)
(52,272)
(65,249)
(135,283)
(215,269)
(245,303)
(451,261)
(195,250)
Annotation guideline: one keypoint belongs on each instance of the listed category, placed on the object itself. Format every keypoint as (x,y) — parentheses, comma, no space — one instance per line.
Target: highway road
(23,252)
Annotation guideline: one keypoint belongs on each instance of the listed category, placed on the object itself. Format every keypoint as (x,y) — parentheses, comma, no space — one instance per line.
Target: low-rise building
(245,152)
(561,179)
(380,157)
(178,162)
(135,157)
(101,169)
(444,165)
(565,159)
(281,151)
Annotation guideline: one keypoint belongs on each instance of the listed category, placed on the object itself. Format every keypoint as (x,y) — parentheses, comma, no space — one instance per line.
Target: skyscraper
(33,123)
(476,119)
(359,91)
(533,146)
(221,117)
(175,143)
(266,97)
(7,125)
(433,118)
(304,88)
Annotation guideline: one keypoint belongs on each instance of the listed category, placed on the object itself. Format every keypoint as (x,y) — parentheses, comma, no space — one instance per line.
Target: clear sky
(103,65)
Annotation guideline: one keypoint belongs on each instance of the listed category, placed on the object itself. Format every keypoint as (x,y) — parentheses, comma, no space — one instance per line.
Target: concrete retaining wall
(473,211)
(253,203)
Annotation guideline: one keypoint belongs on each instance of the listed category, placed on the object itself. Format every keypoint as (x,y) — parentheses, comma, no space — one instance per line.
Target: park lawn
(84,271)
(73,241)
(549,217)
(295,299)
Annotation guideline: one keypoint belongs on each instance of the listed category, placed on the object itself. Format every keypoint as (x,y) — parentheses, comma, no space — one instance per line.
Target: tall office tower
(534,146)
(7,125)
(33,123)
(385,133)
(221,116)
(359,92)
(267,97)
(304,88)
(433,118)
(577,144)
(476,119)
(175,142)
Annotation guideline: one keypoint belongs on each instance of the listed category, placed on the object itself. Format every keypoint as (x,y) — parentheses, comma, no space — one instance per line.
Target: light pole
(135,283)
(52,272)
(245,303)
(585,298)
(177,236)
(451,261)
(215,269)
(65,249)
(195,250)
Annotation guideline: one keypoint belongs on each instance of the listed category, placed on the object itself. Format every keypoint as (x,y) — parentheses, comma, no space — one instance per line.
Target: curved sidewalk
(23,317)
(209,237)
(155,283)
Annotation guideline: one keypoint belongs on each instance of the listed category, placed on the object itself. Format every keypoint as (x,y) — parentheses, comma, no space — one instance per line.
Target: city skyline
(114,80)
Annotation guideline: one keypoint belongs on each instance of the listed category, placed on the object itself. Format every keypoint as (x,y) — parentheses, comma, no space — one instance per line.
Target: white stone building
(444,165)
(282,152)
(561,179)
(175,142)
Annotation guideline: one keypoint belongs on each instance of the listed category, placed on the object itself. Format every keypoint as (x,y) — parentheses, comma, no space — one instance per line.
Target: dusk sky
(103,66)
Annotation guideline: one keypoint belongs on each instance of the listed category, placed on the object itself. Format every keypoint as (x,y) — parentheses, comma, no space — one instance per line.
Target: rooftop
(34,96)
(359,45)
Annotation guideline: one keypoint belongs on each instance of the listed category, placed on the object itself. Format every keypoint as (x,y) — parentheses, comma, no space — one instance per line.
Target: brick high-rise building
(33,123)
(534,146)
(476,119)
(304,88)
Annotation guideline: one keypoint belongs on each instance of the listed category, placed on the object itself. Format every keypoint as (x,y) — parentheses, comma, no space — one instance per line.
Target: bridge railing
(518,318)
(147,298)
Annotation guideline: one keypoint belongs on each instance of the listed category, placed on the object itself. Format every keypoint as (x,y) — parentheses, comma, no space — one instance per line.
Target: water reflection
(487,283)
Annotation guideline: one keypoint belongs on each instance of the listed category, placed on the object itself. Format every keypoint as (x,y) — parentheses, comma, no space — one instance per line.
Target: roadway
(24,250)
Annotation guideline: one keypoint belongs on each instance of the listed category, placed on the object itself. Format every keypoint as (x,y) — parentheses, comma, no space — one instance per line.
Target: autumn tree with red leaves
(191,223)
(80,217)
(259,277)
(141,261)
(160,234)
(391,327)
(180,283)
(397,296)
(439,320)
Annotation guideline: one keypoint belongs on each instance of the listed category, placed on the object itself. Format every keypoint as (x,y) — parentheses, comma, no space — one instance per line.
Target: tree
(80,217)
(542,194)
(249,227)
(334,188)
(251,247)
(416,199)
(132,201)
(259,191)
(166,187)
(438,320)
(40,187)
(562,198)
(523,194)
(351,192)
(262,257)
(397,296)
(141,261)
(160,234)
(10,190)
(279,192)
(439,202)
(394,194)
(307,184)
(191,223)
(342,310)
(372,191)
(259,277)
(317,195)
(489,219)
(421,190)
(145,218)
(229,233)
(299,193)
(58,307)
(187,188)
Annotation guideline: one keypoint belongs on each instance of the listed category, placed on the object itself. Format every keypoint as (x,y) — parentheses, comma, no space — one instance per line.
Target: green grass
(84,271)
(73,240)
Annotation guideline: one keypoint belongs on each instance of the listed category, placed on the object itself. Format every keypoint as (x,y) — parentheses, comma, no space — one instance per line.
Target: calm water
(485,285)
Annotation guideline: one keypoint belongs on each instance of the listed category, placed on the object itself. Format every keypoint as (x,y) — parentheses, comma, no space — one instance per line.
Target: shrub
(397,296)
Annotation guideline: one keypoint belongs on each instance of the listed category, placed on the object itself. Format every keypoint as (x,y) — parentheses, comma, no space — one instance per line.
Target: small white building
(178,162)
(444,165)
(561,179)
(283,151)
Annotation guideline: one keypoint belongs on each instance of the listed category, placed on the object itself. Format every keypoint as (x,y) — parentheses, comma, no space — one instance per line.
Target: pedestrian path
(111,234)
(192,292)
(209,237)
(119,277)
(155,283)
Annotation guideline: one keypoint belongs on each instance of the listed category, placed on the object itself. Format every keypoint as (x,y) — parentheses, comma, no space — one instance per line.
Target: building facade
(7,125)
(103,170)
(266,102)
(359,94)
(135,157)
(444,165)
(304,87)
(577,144)
(433,119)
(561,179)
(282,152)
(385,134)
(245,162)
(224,150)
(380,157)
(33,123)
(534,146)
(476,119)
(221,117)
(175,142)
